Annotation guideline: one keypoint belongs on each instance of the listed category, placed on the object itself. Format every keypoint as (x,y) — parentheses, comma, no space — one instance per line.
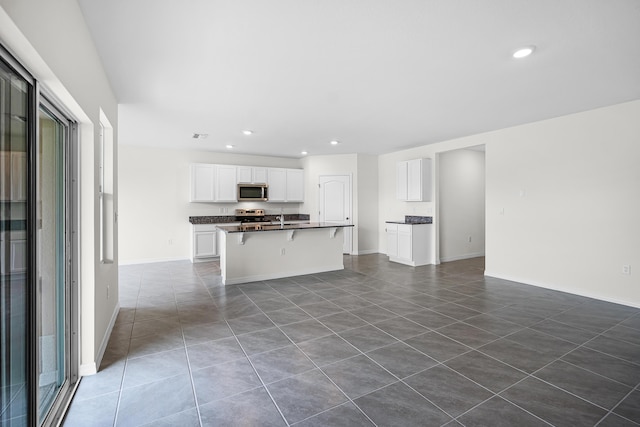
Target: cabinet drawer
(404,228)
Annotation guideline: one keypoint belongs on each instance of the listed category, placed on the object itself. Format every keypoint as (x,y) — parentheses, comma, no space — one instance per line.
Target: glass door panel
(51,256)
(15,93)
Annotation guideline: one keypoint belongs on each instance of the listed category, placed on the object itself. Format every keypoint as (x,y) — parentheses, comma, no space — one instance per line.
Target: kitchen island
(255,252)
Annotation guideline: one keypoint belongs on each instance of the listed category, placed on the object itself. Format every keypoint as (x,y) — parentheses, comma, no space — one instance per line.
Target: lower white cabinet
(204,241)
(409,243)
(13,252)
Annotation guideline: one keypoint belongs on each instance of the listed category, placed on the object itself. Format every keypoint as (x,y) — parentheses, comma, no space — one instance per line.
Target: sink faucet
(281,218)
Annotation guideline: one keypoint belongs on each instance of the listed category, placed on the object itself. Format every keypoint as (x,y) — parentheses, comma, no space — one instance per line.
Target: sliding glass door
(37,300)
(52,258)
(16,94)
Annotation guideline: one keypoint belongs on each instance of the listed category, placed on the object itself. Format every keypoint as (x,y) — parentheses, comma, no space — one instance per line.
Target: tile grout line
(316,367)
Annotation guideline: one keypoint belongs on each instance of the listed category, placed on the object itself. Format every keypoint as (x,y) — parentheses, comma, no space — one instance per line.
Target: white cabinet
(252,174)
(202,177)
(213,183)
(219,183)
(13,165)
(409,243)
(295,185)
(204,241)
(413,180)
(277,180)
(15,243)
(225,183)
(285,185)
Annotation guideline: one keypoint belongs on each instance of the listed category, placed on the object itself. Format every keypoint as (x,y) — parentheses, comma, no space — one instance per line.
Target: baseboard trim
(151,261)
(367,252)
(92,368)
(568,290)
(460,257)
(87,369)
(259,277)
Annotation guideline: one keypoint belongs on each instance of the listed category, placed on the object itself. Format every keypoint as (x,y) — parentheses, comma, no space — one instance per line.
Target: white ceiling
(377,75)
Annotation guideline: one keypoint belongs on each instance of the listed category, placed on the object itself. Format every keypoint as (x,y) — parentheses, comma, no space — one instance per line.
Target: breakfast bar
(252,252)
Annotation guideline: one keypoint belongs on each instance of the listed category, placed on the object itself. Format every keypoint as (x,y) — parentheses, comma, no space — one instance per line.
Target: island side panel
(260,256)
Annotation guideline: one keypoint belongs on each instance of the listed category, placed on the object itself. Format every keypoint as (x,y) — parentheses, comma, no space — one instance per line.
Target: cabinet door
(295,185)
(202,183)
(18,174)
(225,183)
(204,244)
(392,240)
(401,180)
(414,180)
(18,256)
(277,180)
(5,175)
(405,242)
(245,174)
(259,175)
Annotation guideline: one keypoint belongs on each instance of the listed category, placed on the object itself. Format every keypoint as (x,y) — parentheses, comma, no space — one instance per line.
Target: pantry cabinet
(409,243)
(413,180)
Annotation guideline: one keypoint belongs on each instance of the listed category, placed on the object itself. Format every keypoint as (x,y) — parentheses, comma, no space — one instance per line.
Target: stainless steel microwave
(253,192)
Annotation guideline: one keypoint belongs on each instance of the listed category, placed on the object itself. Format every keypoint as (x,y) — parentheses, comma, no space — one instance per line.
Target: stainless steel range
(251,216)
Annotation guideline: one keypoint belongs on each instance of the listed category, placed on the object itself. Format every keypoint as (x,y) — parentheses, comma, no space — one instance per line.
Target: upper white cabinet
(13,166)
(225,183)
(252,174)
(218,183)
(202,177)
(295,185)
(413,180)
(277,180)
(213,183)
(285,185)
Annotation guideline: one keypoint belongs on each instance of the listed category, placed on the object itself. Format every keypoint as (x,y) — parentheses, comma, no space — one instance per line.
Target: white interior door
(335,204)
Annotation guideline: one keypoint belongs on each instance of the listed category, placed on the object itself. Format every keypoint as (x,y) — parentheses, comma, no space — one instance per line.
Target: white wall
(368,222)
(154,200)
(52,41)
(363,170)
(461,204)
(575,224)
(570,191)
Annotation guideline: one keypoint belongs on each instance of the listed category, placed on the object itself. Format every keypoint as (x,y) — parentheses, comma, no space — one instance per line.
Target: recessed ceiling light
(200,135)
(334,142)
(247,132)
(229,146)
(523,52)
(304,153)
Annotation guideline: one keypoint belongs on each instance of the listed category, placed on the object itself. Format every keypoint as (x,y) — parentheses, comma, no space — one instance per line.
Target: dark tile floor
(376,344)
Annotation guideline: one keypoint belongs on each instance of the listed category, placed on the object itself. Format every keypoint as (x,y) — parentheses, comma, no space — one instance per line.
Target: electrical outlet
(171,241)
(626,269)
(282,251)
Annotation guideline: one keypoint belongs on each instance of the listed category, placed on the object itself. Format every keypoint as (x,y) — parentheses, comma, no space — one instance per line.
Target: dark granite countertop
(273,227)
(413,219)
(221,219)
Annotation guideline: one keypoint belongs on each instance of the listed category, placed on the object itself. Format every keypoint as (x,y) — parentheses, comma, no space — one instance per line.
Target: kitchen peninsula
(252,252)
